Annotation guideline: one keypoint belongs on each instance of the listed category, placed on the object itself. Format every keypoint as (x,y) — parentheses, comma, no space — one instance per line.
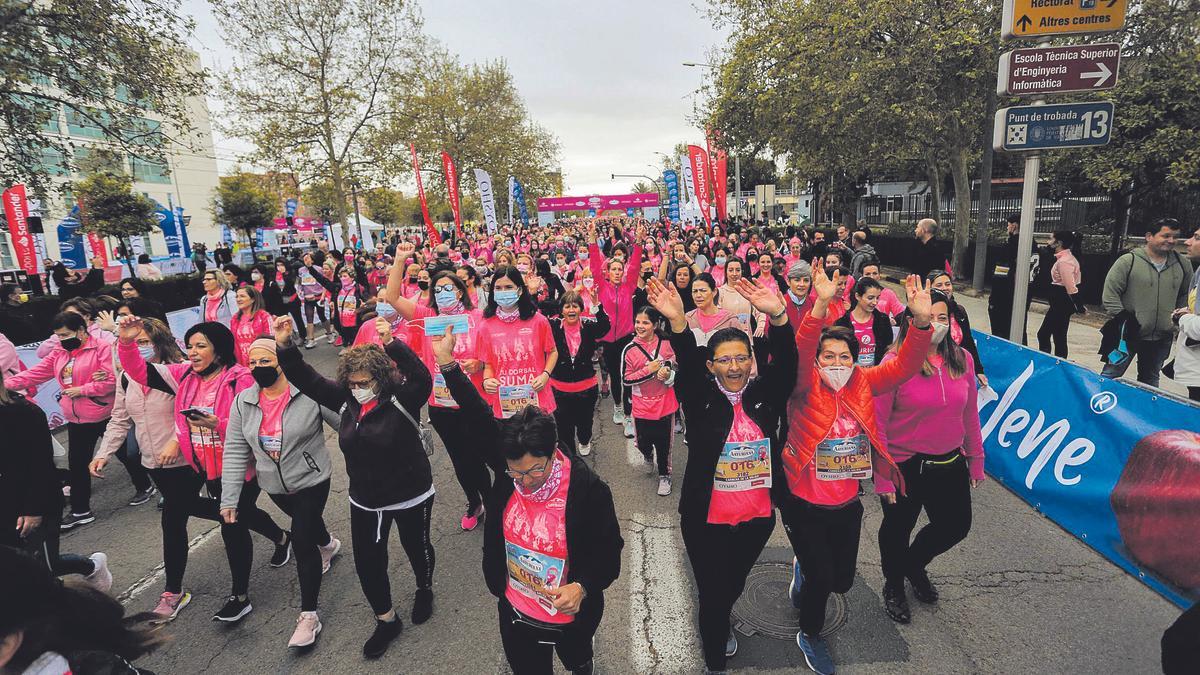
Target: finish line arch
(593,205)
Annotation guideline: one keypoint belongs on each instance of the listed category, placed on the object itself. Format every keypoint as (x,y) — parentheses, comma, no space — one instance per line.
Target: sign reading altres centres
(1057,70)
(1048,127)
(1032,18)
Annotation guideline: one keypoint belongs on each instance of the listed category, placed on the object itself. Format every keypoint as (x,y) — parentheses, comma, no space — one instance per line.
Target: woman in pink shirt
(1064,295)
(250,322)
(614,289)
(931,427)
(648,369)
(709,317)
(889,303)
(517,348)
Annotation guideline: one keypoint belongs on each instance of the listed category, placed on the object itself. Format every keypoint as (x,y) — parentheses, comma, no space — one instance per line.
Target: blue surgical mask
(146,352)
(385,310)
(582,256)
(507,298)
(445,297)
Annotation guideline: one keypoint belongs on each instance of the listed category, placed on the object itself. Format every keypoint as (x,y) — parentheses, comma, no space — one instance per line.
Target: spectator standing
(1064,295)
(1187,347)
(927,257)
(863,253)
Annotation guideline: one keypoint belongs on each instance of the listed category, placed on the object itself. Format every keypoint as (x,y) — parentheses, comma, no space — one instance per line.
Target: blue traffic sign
(1049,127)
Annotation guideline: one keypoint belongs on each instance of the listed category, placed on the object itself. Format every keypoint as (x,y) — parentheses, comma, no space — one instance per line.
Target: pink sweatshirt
(95,405)
(932,415)
(653,399)
(617,301)
(1065,272)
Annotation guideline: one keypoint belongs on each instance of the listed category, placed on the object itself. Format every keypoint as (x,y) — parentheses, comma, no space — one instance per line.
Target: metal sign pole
(1033,165)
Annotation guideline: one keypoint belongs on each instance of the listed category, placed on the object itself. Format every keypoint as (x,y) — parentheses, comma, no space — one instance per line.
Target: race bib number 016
(744,465)
(532,574)
(514,398)
(842,458)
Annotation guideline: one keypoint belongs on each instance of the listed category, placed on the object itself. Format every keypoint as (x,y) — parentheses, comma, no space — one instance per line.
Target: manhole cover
(765,608)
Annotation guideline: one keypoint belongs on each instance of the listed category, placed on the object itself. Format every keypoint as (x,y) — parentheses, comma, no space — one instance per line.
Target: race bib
(513,399)
(68,373)
(744,465)
(441,393)
(272,445)
(532,574)
(842,458)
(203,440)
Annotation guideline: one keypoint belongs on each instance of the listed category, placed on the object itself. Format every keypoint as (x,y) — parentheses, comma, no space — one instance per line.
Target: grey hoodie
(303,461)
(859,259)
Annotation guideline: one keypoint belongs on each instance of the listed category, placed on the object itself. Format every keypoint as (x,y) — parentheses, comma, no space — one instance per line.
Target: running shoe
(234,610)
(331,337)
(308,627)
(664,486)
(895,603)
(923,589)
(618,415)
(310,343)
(422,605)
(74,520)
(816,653)
(385,632)
(470,519)
(142,496)
(730,644)
(678,426)
(585,449)
(328,551)
(66,490)
(169,605)
(283,552)
(797,582)
(337,341)
(628,427)
(100,578)
(160,502)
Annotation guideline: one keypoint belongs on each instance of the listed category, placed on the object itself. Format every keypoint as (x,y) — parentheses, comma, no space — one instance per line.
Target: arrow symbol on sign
(1024,22)
(1101,76)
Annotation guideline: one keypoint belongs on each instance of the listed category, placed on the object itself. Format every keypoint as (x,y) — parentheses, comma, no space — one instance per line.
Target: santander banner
(702,176)
(434,237)
(16,211)
(598,202)
(452,187)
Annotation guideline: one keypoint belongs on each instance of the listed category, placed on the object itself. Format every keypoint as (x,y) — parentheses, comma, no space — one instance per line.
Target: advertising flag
(510,199)
(671,181)
(170,230)
(292,205)
(720,184)
(96,243)
(487,198)
(70,242)
(452,188)
(16,211)
(519,198)
(430,230)
(701,174)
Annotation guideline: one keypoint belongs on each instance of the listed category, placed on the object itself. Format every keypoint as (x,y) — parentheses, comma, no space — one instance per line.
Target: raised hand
(106,321)
(665,298)
(128,328)
(443,347)
(764,299)
(384,328)
(825,287)
(919,301)
(283,331)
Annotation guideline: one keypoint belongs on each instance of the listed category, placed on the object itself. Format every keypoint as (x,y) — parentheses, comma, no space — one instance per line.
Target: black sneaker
(923,589)
(234,610)
(74,520)
(385,632)
(422,605)
(142,496)
(586,669)
(895,603)
(283,552)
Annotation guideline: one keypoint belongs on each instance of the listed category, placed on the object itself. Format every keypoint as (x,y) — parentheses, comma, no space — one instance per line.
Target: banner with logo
(671,181)
(290,207)
(431,232)
(518,194)
(487,198)
(452,188)
(97,249)
(702,175)
(1116,465)
(685,168)
(717,156)
(16,212)
(170,229)
(70,241)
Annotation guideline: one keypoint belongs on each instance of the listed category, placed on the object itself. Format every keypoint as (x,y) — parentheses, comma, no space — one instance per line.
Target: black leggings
(1194,393)
(826,542)
(1056,323)
(370,531)
(721,557)
(612,363)
(180,488)
(293,308)
(131,458)
(573,416)
(529,649)
(239,551)
(315,307)
(42,544)
(944,491)
(469,466)
(654,436)
(81,443)
(305,507)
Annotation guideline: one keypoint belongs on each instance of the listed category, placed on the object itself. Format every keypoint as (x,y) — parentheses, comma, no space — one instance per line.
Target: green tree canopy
(242,204)
(109,207)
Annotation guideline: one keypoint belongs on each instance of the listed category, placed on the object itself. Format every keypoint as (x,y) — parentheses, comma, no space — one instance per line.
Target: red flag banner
(16,211)
(701,178)
(98,248)
(452,188)
(434,237)
(720,181)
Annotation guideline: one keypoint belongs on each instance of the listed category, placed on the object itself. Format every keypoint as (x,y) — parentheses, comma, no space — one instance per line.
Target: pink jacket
(931,415)
(10,362)
(617,301)
(1065,272)
(889,303)
(653,399)
(150,413)
(232,381)
(95,405)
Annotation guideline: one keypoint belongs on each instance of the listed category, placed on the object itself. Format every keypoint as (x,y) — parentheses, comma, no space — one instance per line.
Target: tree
(475,113)
(243,205)
(109,207)
(385,205)
(308,77)
(107,63)
(642,187)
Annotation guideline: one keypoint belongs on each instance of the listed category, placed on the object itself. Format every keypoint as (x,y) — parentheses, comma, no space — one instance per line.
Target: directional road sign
(1048,127)
(1055,70)
(1031,18)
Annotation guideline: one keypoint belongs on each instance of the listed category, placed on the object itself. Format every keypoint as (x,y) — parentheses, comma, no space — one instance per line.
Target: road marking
(159,571)
(662,632)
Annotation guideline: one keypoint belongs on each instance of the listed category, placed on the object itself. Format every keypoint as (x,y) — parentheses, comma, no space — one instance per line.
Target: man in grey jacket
(863,253)
(1151,282)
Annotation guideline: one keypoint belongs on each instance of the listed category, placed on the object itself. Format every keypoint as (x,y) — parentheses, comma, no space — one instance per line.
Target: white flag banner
(510,200)
(688,198)
(487,198)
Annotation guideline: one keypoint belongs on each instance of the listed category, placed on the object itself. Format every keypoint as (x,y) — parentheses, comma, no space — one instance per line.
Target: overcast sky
(605,77)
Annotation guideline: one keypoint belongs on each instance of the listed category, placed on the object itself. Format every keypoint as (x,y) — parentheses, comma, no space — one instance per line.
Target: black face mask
(412,280)
(265,376)
(423,285)
(70,344)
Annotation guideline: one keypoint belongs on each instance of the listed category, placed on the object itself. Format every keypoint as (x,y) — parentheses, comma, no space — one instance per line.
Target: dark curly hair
(529,432)
(370,359)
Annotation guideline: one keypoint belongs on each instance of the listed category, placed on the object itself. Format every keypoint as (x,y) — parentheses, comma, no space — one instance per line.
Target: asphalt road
(1018,596)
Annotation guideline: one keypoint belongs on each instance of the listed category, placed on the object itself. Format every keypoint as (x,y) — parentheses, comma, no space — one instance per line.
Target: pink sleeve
(42,371)
(9,361)
(107,385)
(1068,278)
(633,270)
(47,346)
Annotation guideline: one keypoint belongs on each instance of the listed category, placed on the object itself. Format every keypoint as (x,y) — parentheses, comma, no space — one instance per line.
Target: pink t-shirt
(707,322)
(865,334)
(535,543)
(742,482)
(574,336)
(347,304)
(211,302)
(270,431)
(653,399)
(206,443)
(466,346)
(517,353)
(889,304)
(245,331)
(829,492)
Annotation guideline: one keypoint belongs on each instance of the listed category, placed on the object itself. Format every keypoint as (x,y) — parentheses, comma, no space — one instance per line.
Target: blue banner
(671,180)
(292,205)
(171,233)
(70,242)
(1116,465)
(183,235)
(519,196)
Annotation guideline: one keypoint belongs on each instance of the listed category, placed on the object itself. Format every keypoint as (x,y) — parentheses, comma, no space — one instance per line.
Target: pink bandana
(548,488)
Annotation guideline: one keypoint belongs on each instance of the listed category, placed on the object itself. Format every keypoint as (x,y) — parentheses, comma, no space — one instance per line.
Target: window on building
(46,112)
(144,131)
(149,170)
(54,162)
(98,160)
(86,121)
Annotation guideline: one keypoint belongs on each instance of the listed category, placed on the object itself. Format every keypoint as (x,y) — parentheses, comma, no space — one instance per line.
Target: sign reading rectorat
(1056,70)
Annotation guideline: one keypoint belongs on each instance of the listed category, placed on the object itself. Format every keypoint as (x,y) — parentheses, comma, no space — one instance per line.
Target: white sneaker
(308,627)
(328,551)
(678,426)
(310,344)
(618,415)
(585,449)
(331,337)
(664,486)
(628,427)
(101,578)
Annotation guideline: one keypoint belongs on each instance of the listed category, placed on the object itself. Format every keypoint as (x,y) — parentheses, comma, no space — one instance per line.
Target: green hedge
(174,292)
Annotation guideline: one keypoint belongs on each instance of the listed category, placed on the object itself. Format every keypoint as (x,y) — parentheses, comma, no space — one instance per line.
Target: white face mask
(364,396)
(939,332)
(836,376)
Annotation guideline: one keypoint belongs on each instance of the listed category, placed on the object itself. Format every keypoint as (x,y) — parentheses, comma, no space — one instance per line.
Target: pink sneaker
(328,551)
(101,578)
(169,605)
(308,627)
(470,519)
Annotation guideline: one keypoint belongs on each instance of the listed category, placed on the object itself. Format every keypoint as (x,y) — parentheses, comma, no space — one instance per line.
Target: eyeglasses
(361,385)
(535,472)
(740,359)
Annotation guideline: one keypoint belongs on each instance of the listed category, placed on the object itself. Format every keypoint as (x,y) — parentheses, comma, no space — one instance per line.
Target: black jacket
(28,486)
(710,415)
(1122,326)
(579,367)
(335,288)
(927,257)
(968,339)
(881,328)
(594,540)
(385,461)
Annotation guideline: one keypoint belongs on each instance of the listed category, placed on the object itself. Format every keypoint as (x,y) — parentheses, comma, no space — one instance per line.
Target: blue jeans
(1150,356)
